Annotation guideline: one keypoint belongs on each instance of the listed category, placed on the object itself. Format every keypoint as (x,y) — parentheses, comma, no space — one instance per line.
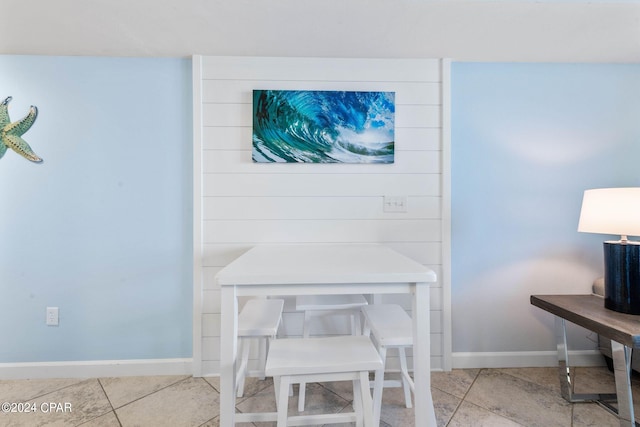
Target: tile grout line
(80,381)
(58,389)
(115,414)
(217,391)
(146,395)
(464,397)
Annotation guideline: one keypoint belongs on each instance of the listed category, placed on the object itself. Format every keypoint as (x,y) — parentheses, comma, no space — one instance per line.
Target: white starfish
(10,133)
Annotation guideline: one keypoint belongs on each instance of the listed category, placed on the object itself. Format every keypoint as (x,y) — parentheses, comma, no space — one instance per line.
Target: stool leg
(283,400)
(357,402)
(378,385)
(369,417)
(306,326)
(302,391)
(242,370)
(276,389)
(262,355)
(356,329)
(302,394)
(404,372)
(366,329)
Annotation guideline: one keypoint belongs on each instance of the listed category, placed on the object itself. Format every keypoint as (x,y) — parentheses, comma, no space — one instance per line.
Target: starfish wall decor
(11,133)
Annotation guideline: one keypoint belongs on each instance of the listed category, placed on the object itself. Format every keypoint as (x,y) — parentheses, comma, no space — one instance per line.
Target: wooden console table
(623,330)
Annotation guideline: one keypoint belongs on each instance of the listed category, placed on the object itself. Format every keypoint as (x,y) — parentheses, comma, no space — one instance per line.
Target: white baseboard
(96,368)
(524,359)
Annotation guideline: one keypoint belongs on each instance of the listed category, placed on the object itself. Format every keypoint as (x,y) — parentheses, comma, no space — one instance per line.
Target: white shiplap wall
(239,203)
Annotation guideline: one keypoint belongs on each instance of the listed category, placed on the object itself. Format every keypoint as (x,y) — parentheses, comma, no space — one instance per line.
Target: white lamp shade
(611,211)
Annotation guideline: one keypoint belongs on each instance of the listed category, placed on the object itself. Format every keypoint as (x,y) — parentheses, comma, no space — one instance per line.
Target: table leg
(621,356)
(564,370)
(228,350)
(622,368)
(424,412)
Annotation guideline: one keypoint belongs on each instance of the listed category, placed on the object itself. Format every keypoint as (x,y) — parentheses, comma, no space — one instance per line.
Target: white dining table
(324,269)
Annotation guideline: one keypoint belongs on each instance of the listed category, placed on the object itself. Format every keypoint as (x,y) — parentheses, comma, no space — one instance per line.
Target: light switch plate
(395,204)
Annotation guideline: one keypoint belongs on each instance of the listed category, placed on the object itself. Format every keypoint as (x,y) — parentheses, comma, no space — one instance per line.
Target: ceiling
(507,30)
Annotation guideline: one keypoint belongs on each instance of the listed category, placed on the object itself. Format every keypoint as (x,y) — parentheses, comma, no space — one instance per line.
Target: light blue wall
(102,229)
(527,140)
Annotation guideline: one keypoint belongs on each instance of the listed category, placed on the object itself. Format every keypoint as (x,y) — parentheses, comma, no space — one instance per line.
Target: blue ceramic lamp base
(622,276)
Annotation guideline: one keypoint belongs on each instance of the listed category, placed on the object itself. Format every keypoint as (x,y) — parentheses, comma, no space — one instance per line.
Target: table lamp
(616,211)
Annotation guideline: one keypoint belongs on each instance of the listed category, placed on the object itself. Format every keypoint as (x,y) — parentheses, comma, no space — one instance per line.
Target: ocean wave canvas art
(323,126)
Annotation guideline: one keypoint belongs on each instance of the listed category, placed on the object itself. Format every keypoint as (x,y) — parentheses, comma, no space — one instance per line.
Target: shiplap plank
(284,231)
(232,114)
(239,161)
(416,139)
(241,91)
(417,116)
(227,138)
(218,255)
(247,208)
(211,301)
(210,348)
(240,138)
(321,184)
(211,368)
(320,69)
(211,324)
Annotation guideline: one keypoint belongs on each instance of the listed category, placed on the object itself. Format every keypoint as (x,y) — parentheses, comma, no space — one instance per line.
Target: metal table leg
(621,356)
(622,370)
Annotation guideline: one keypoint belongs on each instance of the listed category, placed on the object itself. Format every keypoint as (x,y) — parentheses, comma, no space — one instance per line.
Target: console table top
(589,312)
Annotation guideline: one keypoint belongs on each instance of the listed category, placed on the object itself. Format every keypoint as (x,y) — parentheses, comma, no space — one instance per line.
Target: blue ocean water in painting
(323,126)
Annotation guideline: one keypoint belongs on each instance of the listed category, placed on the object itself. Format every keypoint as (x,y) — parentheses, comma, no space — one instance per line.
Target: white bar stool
(339,358)
(259,319)
(390,327)
(322,305)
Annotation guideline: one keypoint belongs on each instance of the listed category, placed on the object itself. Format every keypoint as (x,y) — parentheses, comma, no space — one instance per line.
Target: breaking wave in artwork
(323,126)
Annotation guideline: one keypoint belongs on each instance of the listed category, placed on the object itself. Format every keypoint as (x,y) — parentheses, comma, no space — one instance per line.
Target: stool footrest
(321,419)
(256,417)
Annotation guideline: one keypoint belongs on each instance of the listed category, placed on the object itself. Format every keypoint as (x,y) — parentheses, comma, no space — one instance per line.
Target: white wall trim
(524,359)
(96,368)
(196,67)
(445,280)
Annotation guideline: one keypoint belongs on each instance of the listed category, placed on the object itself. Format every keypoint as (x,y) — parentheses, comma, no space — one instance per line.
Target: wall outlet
(52,316)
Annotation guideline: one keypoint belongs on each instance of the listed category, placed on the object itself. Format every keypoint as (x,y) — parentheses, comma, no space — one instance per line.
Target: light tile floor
(527,397)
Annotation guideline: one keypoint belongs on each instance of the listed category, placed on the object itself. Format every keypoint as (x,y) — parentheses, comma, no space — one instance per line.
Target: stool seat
(259,320)
(299,356)
(390,324)
(340,358)
(260,317)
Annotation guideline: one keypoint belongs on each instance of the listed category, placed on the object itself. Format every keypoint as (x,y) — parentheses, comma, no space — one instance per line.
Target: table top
(323,264)
(589,312)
